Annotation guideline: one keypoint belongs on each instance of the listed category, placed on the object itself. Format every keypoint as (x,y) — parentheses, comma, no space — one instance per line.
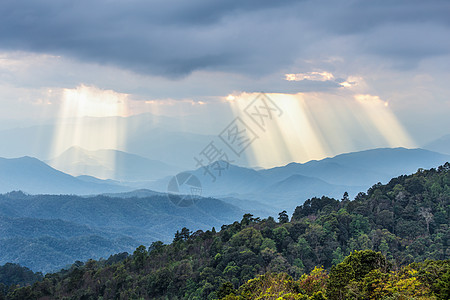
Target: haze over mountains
(35,177)
(143,123)
(286,185)
(169,140)
(110,164)
(172,141)
(359,168)
(441,145)
(35,229)
(50,244)
(136,209)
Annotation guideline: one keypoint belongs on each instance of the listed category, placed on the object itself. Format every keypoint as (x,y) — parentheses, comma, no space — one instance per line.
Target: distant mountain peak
(441,145)
(110,164)
(33,176)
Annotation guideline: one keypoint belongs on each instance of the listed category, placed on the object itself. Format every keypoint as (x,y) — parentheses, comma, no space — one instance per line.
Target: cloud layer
(200,51)
(175,38)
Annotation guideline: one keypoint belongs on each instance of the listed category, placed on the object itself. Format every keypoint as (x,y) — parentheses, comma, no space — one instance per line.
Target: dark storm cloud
(176,37)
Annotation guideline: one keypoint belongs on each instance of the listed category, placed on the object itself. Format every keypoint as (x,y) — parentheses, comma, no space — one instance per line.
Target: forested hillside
(400,224)
(48,232)
(14,274)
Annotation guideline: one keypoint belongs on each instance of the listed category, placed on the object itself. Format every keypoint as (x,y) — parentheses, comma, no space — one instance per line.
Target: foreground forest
(389,243)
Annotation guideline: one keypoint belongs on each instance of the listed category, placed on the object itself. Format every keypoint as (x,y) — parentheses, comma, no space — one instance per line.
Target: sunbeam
(78,126)
(382,118)
(314,126)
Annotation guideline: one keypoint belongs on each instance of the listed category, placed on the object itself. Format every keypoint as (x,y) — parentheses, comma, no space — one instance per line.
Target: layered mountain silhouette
(34,176)
(159,138)
(110,164)
(290,184)
(49,244)
(117,216)
(441,145)
(34,229)
(351,172)
(364,167)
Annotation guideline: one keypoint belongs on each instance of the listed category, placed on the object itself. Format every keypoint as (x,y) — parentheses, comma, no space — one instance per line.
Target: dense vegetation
(362,275)
(403,226)
(14,274)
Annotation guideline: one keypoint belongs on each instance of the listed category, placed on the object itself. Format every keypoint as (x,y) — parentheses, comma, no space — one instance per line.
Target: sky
(341,71)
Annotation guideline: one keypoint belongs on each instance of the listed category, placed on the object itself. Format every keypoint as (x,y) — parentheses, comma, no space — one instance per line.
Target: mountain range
(77,228)
(34,176)
(286,185)
(159,138)
(293,183)
(50,244)
(389,243)
(441,145)
(115,216)
(363,167)
(110,164)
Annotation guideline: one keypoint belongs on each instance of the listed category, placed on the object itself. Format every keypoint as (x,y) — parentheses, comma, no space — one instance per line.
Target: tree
(249,238)
(268,243)
(279,235)
(425,212)
(345,197)
(443,286)
(247,219)
(183,235)
(283,217)
(269,286)
(156,247)
(139,256)
(225,289)
(338,256)
(354,268)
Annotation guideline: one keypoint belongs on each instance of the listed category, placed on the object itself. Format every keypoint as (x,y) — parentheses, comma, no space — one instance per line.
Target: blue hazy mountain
(256,208)
(165,139)
(141,193)
(362,168)
(351,172)
(92,179)
(48,245)
(56,222)
(441,145)
(176,148)
(292,184)
(229,181)
(110,164)
(297,188)
(257,192)
(34,176)
(124,217)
